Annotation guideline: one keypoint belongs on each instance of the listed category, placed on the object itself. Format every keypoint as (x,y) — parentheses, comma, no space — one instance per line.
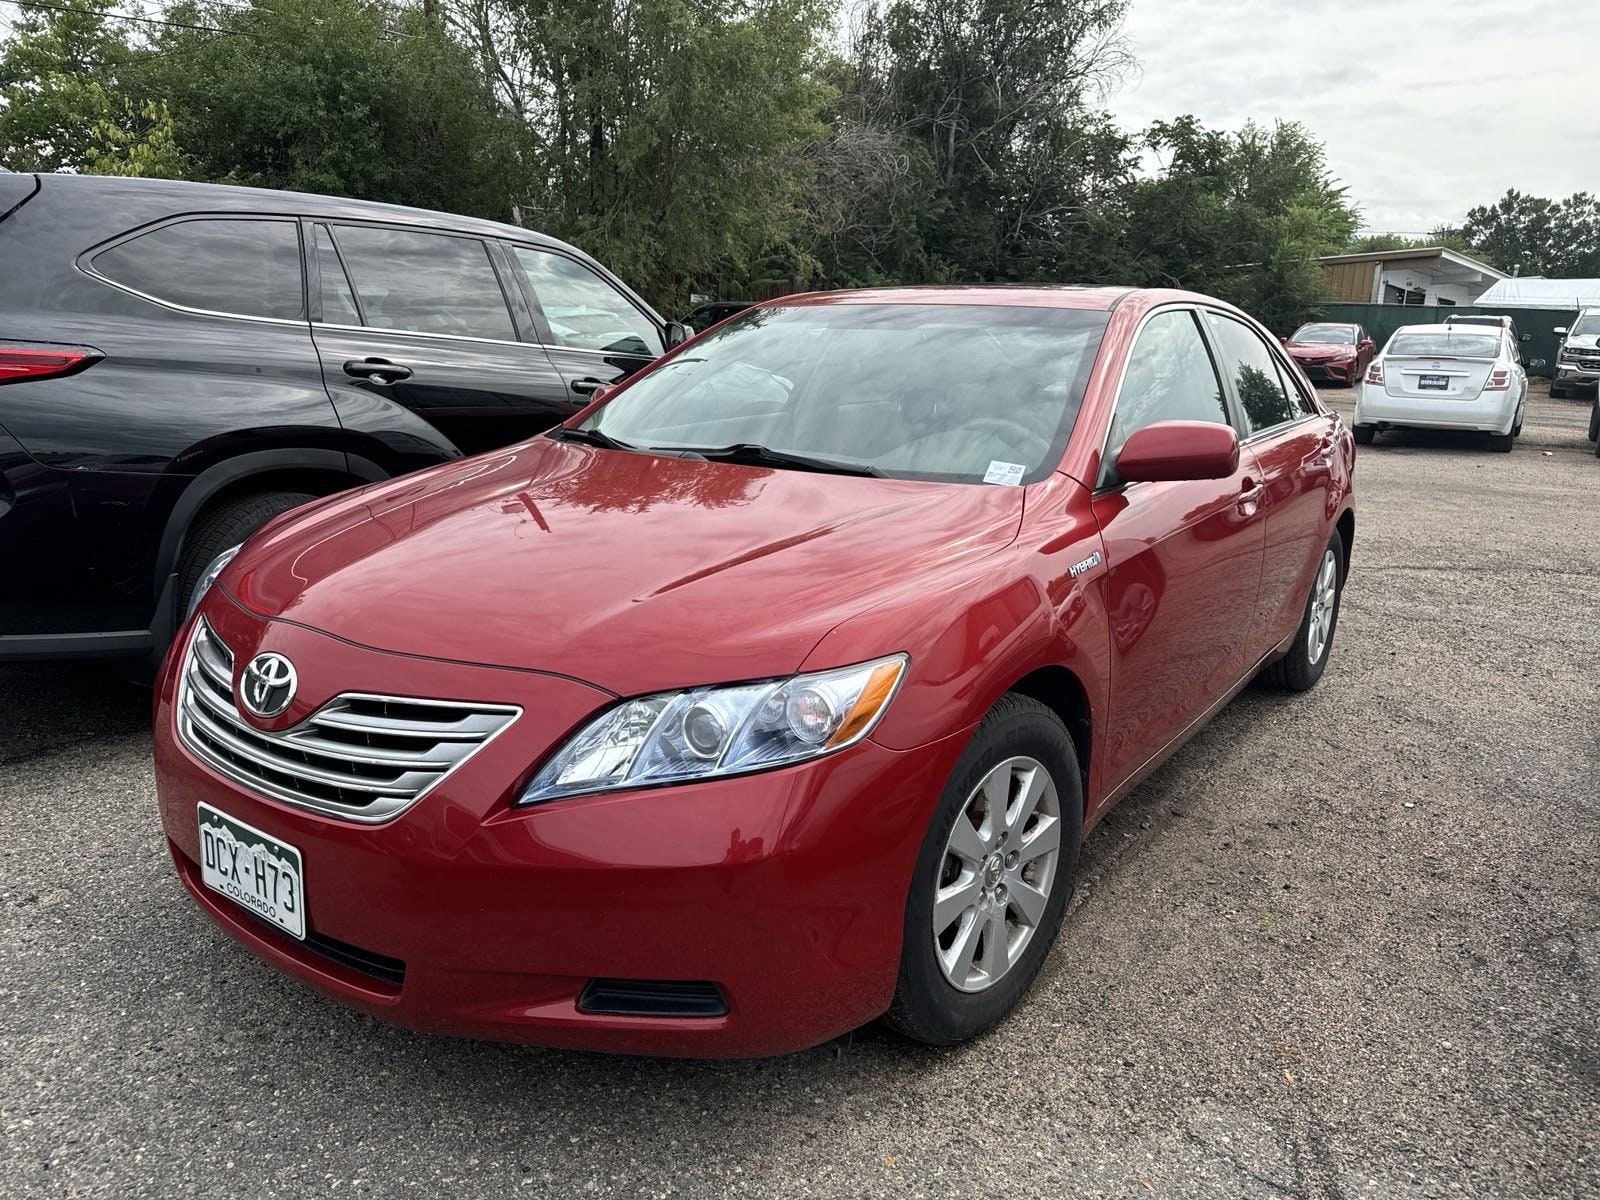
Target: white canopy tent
(1542,293)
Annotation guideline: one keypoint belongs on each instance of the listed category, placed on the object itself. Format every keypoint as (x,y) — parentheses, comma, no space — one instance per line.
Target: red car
(1332,352)
(771,694)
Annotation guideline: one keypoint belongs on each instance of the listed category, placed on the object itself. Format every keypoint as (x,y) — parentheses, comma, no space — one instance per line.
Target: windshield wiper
(752,454)
(588,437)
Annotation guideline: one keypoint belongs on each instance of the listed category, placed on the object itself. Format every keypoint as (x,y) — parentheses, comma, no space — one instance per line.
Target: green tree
(1010,172)
(334,96)
(1243,216)
(142,144)
(1559,239)
(670,138)
(61,75)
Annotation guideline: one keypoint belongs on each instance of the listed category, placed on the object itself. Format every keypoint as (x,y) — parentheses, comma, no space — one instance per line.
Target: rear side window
(245,268)
(1170,377)
(425,282)
(1256,381)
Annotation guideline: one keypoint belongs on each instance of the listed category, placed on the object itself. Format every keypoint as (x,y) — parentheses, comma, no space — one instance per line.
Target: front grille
(652,998)
(361,757)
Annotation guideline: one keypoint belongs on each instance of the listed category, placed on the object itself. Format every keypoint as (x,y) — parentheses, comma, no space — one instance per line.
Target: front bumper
(1324,371)
(1490,412)
(1577,374)
(786,890)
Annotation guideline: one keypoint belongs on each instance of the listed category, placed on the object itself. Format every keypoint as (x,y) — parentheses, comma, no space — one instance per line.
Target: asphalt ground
(1343,945)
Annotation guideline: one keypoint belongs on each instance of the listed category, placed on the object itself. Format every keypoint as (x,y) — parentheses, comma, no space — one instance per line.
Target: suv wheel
(1594,419)
(228,524)
(993,876)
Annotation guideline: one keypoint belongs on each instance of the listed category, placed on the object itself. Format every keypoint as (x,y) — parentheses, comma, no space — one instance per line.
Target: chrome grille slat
(362,757)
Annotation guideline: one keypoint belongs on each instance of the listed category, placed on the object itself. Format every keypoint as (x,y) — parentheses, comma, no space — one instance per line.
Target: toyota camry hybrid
(773,692)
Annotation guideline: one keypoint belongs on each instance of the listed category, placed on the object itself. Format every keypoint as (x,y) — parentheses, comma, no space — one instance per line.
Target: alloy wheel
(1324,603)
(996,873)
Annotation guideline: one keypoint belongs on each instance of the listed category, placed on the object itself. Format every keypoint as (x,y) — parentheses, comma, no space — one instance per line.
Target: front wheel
(1302,666)
(993,876)
(1594,419)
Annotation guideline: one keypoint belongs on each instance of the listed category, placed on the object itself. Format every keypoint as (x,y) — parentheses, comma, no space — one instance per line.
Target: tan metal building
(1434,275)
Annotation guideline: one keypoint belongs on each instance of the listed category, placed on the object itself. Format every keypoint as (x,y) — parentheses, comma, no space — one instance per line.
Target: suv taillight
(20,361)
(1375,375)
(1499,381)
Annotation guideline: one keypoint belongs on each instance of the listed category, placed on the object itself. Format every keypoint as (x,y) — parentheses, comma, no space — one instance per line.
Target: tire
(1298,671)
(228,524)
(928,1005)
(1557,392)
(1365,434)
(1594,419)
(1501,443)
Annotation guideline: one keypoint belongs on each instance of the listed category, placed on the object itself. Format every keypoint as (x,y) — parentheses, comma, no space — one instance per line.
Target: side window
(338,297)
(1260,388)
(425,282)
(250,268)
(584,310)
(1170,378)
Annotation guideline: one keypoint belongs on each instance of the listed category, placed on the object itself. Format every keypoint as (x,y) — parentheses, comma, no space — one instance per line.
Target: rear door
(594,333)
(1295,445)
(421,335)
(1183,558)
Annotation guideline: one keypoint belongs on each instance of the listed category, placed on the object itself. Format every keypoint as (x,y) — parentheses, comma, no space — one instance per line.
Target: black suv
(179,362)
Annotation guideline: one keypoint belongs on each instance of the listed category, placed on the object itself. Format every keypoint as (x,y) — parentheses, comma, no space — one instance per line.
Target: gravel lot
(1344,945)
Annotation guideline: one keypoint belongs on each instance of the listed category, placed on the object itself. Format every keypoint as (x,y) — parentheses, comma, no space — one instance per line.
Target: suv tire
(228,524)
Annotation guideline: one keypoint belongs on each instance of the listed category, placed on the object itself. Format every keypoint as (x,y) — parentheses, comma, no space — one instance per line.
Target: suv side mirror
(1177,450)
(676,333)
(1560,331)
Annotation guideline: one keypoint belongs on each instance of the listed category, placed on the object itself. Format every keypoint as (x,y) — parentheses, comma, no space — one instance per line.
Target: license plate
(253,869)
(1434,383)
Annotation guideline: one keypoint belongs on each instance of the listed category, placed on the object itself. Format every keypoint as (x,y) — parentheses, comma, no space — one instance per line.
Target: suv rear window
(249,268)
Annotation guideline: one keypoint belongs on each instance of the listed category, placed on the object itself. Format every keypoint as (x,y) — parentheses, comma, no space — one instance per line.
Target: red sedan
(1332,352)
(775,691)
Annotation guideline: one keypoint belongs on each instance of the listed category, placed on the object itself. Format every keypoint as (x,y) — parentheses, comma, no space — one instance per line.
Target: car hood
(1321,350)
(634,572)
(1587,341)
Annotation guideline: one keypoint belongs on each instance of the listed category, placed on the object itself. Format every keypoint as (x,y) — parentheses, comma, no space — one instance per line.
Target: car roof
(188,196)
(1440,328)
(1101,299)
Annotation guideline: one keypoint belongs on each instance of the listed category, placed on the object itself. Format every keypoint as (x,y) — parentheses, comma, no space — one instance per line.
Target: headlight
(208,577)
(706,732)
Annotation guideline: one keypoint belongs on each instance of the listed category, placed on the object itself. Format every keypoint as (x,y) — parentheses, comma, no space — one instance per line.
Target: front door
(418,330)
(1183,559)
(595,334)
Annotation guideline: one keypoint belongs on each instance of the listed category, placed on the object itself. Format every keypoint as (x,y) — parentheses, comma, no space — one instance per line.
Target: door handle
(1250,492)
(588,387)
(376,370)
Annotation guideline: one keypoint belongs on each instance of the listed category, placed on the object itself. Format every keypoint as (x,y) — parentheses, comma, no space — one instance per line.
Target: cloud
(1426,107)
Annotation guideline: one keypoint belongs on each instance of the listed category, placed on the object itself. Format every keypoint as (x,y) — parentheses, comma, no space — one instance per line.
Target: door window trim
(1103,483)
(85,263)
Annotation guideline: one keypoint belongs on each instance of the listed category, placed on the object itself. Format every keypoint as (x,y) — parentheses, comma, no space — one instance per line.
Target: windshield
(965,393)
(1588,325)
(1444,345)
(1325,335)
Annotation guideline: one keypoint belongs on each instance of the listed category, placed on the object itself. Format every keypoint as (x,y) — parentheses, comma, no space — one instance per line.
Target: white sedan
(1445,377)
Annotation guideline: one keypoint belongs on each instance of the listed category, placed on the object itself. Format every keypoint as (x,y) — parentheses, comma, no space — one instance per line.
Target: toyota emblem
(267,685)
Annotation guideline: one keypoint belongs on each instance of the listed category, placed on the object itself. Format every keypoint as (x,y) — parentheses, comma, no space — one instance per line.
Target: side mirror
(1175,450)
(1536,363)
(1368,344)
(676,333)
(1561,331)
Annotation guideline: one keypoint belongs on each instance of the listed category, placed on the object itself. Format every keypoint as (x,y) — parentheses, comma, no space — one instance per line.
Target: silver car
(1445,377)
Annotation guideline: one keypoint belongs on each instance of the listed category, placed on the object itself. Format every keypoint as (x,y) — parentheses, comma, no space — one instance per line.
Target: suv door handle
(376,370)
(588,387)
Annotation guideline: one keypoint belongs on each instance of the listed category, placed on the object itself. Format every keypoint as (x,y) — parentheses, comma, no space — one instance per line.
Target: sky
(1426,108)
